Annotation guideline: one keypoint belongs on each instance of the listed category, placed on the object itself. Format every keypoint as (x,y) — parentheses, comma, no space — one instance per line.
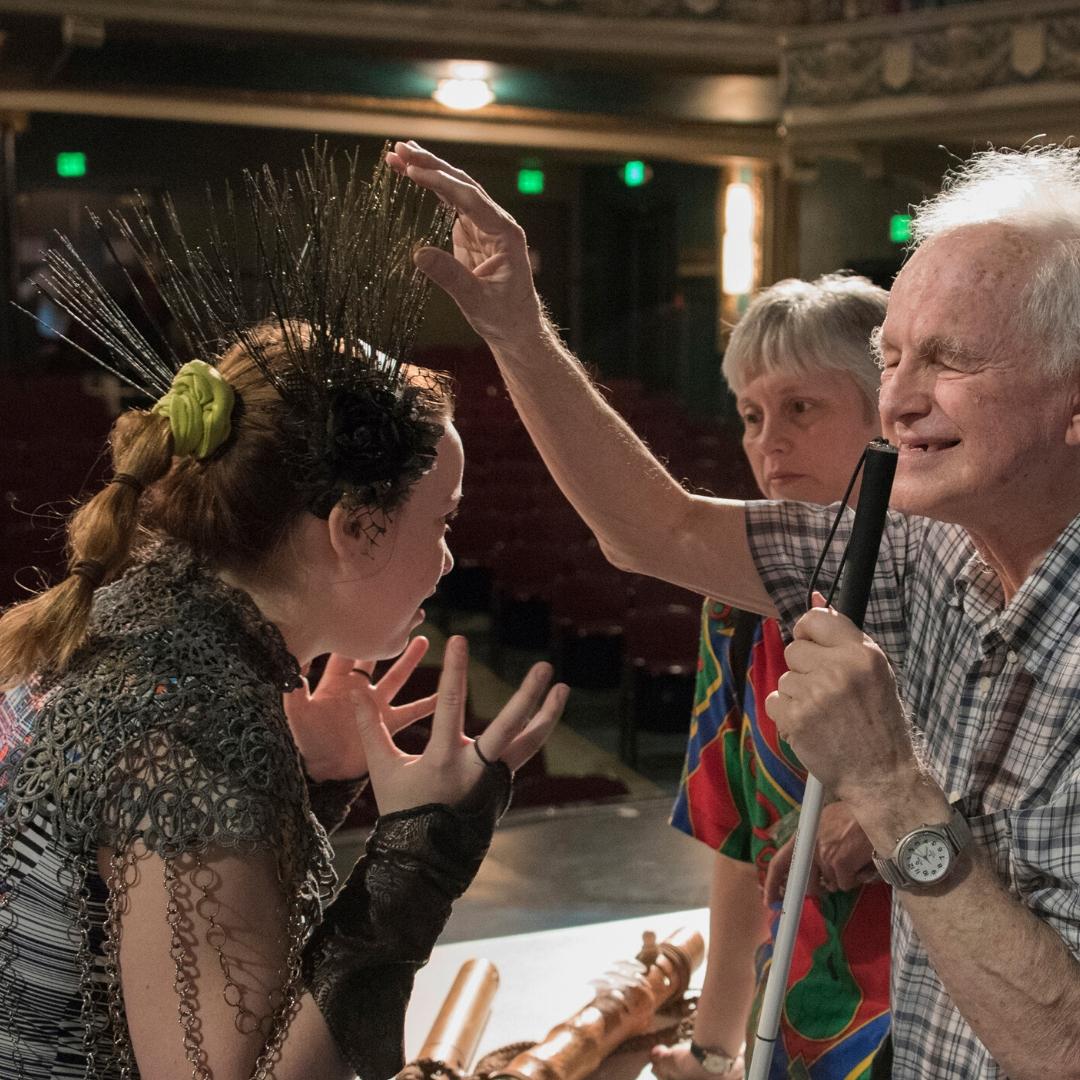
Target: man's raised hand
(489,275)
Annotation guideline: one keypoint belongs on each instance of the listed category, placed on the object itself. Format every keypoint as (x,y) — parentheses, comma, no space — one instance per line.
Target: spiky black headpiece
(324,259)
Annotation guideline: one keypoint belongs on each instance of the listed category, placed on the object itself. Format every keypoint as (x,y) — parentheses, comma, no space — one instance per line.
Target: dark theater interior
(668,161)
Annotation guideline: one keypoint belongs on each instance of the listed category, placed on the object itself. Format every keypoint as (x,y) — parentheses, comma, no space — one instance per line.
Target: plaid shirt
(995,690)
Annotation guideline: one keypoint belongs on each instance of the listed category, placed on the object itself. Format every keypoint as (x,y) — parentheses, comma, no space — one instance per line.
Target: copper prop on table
(456,1031)
(625,1003)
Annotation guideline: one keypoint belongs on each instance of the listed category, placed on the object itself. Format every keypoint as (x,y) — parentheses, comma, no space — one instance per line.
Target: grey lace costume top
(167,732)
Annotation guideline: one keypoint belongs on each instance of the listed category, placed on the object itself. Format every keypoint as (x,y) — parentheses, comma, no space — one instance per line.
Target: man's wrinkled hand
(489,276)
(843,850)
(838,707)
(842,857)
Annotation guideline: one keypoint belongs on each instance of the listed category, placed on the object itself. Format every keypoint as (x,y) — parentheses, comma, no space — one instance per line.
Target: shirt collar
(1044,611)
(976,578)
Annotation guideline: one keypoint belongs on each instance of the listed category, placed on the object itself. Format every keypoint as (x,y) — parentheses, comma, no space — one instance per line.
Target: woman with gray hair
(801,367)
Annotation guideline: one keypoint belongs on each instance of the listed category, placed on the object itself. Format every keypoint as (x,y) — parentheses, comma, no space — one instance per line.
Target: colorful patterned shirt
(741,791)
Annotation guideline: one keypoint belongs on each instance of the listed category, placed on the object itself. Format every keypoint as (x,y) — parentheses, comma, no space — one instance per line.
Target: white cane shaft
(772,1005)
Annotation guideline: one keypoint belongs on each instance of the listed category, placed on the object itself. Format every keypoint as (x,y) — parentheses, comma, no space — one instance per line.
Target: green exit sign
(900,228)
(70,163)
(530,181)
(635,173)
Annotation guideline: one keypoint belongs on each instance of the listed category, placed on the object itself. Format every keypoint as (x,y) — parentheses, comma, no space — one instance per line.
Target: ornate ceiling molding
(982,47)
(849,71)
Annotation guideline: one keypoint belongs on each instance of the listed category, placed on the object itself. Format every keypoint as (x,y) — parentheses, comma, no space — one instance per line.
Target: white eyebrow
(876,353)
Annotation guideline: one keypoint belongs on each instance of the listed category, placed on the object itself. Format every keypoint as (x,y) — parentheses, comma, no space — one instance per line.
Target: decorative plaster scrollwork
(1063,48)
(954,59)
(837,72)
(963,58)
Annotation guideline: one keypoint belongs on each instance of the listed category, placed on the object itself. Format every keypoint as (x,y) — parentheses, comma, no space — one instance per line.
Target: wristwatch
(712,1061)
(927,855)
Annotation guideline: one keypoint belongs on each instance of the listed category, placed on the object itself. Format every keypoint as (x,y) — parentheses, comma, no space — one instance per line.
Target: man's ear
(1072,430)
(362,541)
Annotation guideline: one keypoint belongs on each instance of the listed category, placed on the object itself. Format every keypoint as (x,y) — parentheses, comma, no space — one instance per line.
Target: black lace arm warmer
(331,800)
(361,961)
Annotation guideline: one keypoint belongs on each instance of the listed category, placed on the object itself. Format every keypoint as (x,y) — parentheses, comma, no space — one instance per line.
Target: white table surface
(543,979)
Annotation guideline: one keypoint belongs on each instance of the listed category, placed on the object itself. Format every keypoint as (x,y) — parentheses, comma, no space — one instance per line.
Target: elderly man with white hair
(951,728)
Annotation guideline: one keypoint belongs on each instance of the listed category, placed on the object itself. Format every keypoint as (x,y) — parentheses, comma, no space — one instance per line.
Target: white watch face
(926,858)
(716,1063)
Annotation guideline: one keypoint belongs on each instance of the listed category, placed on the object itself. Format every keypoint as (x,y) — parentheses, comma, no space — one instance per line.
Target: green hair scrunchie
(199,406)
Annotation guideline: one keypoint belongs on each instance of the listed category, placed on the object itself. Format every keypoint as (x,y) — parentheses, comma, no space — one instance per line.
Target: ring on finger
(480,753)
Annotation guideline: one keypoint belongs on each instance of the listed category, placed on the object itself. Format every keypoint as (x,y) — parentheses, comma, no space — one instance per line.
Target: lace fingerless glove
(331,800)
(361,961)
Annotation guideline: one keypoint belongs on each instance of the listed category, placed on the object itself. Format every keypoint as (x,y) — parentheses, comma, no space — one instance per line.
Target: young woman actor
(167,900)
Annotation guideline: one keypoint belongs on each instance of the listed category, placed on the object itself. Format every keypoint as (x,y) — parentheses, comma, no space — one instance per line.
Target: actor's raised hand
(324,724)
(489,275)
(450,765)
(838,707)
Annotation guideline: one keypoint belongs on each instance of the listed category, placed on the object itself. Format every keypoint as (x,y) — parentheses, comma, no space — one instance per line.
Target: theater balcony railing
(948,71)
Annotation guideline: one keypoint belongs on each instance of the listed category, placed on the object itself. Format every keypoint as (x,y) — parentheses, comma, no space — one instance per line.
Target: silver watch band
(955,832)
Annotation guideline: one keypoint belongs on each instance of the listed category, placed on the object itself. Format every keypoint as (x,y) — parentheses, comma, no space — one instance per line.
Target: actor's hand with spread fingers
(324,722)
(447,770)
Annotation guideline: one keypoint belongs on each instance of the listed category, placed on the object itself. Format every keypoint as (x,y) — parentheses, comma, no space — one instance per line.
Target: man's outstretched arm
(643,519)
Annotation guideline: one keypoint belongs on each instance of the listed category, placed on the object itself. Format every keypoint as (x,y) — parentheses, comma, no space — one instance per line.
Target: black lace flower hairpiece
(376,444)
(324,259)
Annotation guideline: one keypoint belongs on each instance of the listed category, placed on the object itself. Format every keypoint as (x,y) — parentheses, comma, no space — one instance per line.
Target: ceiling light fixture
(466,88)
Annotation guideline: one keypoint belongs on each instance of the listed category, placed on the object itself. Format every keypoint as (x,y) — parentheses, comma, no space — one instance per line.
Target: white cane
(879,465)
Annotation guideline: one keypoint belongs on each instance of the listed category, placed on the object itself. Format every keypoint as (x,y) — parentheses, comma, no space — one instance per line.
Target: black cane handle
(862,552)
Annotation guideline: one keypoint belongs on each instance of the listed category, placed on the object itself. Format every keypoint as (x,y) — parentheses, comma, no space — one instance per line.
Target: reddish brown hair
(233,509)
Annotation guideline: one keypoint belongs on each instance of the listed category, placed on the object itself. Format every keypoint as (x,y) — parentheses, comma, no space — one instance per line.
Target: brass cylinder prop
(676,958)
(624,1005)
(454,1035)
